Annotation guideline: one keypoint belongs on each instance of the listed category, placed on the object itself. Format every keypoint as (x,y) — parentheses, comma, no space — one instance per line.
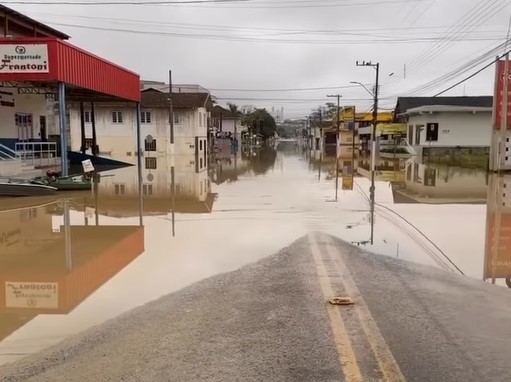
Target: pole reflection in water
(51,261)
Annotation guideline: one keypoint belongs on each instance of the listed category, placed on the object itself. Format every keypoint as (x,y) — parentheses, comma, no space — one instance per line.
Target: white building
(436,123)
(226,123)
(450,126)
(116,127)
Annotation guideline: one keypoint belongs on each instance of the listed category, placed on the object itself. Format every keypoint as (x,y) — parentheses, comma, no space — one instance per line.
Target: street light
(365,87)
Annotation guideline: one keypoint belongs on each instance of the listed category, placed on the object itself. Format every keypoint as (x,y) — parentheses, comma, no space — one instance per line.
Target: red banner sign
(499,95)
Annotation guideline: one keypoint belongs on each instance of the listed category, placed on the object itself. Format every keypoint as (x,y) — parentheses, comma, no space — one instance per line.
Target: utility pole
(171,109)
(376,66)
(338,120)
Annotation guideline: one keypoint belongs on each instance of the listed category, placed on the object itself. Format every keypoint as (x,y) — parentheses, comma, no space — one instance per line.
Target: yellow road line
(387,364)
(342,340)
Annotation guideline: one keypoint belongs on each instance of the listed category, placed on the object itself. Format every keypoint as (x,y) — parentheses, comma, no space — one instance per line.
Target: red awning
(51,60)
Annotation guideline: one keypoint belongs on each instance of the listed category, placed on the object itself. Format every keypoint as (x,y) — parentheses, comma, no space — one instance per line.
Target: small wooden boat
(14,188)
(68,183)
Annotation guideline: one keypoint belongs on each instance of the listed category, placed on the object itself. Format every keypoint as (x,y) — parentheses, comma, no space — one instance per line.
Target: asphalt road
(270,321)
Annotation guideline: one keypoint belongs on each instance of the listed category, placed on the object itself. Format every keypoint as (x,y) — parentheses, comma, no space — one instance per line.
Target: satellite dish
(149,139)
(150,177)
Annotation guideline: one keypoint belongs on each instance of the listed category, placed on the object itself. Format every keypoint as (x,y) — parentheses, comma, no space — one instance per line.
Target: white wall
(119,140)
(455,129)
(24,103)
(187,180)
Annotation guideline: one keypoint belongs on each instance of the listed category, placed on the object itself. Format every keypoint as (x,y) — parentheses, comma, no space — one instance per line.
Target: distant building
(246,109)
(277,114)
(436,123)
(116,127)
(226,123)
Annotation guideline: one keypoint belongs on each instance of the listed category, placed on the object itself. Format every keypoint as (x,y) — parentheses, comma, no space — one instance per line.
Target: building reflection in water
(49,265)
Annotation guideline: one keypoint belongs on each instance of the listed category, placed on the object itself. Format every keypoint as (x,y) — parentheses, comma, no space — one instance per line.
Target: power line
(472,75)
(28,2)
(423,235)
(478,14)
(256,39)
(285,90)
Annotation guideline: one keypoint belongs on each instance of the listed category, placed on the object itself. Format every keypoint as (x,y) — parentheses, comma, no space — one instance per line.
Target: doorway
(25,127)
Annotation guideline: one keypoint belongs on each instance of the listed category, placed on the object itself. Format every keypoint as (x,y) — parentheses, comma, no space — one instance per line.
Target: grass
(396,150)
(475,160)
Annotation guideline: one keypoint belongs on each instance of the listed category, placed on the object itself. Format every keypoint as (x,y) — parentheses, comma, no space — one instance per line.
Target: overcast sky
(316,44)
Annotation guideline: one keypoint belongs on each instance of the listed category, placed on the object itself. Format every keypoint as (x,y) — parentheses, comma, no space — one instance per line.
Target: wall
(446,182)
(455,129)
(187,180)
(37,105)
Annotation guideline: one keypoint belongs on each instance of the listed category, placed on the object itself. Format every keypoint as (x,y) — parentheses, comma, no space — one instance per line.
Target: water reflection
(51,260)
(231,210)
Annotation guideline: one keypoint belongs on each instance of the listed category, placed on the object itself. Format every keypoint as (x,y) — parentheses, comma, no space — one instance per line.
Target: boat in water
(65,183)
(21,188)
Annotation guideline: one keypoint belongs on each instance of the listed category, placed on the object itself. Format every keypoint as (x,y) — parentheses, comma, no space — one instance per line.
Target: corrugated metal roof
(155,99)
(74,66)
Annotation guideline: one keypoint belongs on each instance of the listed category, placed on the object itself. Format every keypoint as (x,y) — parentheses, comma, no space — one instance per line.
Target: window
(177,118)
(145,117)
(148,189)
(200,119)
(120,189)
(150,144)
(87,116)
(150,163)
(205,120)
(430,177)
(200,145)
(201,164)
(116,116)
(432,132)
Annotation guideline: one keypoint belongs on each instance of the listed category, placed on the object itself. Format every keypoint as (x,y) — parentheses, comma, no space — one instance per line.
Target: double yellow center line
(336,269)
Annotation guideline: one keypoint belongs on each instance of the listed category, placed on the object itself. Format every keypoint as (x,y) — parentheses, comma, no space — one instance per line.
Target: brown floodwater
(75,260)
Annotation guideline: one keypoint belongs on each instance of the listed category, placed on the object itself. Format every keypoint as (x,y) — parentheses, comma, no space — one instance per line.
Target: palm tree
(233,108)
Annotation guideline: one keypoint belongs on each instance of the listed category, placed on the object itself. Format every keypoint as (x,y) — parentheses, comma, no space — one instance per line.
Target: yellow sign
(348,113)
(347,183)
(391,128)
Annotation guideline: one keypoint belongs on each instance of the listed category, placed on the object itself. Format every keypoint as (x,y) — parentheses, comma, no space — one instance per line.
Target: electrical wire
(218,3)
(475,17)
(472,75)
(403,40)
(422,234)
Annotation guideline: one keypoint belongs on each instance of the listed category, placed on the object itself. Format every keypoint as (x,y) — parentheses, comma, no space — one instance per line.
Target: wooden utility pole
(338,120)
(171,110)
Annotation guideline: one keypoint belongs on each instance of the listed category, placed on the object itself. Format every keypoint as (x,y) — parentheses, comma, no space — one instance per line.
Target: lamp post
(376,66)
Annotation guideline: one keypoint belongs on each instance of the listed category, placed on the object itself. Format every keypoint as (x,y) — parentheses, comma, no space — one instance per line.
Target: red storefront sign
(499,96)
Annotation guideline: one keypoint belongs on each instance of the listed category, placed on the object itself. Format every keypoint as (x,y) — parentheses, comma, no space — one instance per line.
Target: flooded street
(70,263)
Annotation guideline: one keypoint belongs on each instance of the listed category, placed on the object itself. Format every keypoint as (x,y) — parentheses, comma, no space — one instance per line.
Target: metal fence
(37,154)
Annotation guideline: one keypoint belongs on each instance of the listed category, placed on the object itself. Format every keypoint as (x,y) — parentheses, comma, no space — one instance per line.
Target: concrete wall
(118,140)
(455,129)
(446,182)
(36,105)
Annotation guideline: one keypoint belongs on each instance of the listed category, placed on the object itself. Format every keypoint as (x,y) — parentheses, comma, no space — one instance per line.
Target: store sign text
(27,58)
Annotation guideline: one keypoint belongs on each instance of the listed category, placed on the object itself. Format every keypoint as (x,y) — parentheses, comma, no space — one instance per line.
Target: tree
(260,122)
(233,108)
